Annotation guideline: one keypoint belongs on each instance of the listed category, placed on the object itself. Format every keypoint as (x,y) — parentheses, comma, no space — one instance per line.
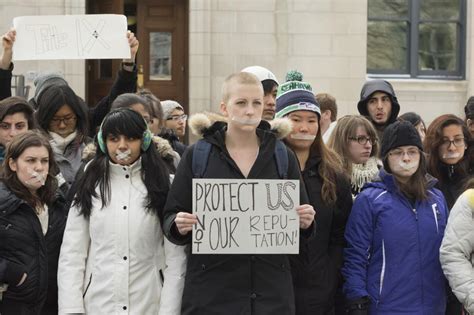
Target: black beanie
(398,134)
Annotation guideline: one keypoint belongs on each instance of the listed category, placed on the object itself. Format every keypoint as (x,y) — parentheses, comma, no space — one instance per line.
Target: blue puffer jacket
(392,253)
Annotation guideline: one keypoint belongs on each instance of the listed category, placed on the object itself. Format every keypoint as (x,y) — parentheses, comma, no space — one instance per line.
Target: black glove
(358,307)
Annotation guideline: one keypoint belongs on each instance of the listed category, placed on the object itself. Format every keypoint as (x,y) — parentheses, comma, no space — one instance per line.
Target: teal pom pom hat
(295,95)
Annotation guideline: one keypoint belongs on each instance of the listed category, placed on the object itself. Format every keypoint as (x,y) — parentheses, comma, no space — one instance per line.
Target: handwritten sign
(93,36)
(245,216)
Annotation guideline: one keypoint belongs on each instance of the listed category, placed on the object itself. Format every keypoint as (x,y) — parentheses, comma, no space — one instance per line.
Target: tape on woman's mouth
(303,136)
(123,155)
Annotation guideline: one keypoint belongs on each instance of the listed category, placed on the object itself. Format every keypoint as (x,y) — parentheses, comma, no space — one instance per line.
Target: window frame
(413,21)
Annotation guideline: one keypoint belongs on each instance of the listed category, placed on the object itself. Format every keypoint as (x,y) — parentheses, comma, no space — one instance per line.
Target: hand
(184,222)
(306,214)
(23,278)
(8,39)
(358,307)
(133,43)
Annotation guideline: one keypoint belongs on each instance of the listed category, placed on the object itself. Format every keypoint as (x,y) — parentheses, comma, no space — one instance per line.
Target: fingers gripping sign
(8,39)
(306,214)
(133,43)
(184,222)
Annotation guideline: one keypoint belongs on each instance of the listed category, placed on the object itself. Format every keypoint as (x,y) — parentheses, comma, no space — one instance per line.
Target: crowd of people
(96,202)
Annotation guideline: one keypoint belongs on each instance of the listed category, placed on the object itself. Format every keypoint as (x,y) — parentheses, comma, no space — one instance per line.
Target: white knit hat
(168,107)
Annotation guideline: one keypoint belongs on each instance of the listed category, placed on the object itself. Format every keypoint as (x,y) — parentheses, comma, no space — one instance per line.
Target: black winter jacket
(231,284)
(126,82)
(316,270)
(6,82)
(24,249)
(173,139)
(453,181)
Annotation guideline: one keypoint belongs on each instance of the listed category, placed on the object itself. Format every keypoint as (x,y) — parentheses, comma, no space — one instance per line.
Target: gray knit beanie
(168,107)
(44,80)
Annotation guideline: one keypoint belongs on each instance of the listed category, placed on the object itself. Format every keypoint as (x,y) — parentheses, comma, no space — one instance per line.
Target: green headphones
(147,139)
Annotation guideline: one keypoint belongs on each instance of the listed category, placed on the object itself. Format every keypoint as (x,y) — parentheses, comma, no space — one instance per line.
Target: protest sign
(237,216)
(93,36)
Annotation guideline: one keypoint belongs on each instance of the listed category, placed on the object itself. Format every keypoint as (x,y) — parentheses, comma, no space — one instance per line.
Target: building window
(416,38)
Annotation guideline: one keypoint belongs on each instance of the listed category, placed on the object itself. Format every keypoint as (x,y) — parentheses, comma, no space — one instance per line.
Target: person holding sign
(6,66)
(394,234)
(114,253)
(125,81)
(316,270)
(241,147)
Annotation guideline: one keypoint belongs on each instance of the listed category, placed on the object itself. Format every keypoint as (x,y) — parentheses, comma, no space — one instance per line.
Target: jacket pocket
(87,287)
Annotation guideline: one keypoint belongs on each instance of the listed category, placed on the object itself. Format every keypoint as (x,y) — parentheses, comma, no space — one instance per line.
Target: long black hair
(155,176)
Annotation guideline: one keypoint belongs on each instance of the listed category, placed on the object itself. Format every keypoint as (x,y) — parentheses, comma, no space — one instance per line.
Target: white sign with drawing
(244,216)
(92,36)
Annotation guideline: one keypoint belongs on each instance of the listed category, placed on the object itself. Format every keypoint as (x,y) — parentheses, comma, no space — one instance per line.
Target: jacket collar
(204,124)
(132,169)
(387,181)
(10,202)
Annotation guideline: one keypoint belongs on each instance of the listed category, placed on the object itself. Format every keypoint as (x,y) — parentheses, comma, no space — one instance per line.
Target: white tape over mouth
(408,166)
(302,136)
(123,155)
(247,121)
(452,155)
(37,177)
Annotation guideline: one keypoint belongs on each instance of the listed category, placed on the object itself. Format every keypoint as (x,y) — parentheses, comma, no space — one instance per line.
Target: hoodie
(369,88)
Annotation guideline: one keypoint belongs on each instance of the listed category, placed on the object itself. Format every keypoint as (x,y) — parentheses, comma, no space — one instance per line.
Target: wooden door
(101,73)
(162,27)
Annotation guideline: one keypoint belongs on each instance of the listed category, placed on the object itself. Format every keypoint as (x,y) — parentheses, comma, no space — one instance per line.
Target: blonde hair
(238,78)
(346,128)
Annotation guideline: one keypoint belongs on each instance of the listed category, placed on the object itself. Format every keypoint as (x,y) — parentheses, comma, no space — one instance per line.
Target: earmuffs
(147,139)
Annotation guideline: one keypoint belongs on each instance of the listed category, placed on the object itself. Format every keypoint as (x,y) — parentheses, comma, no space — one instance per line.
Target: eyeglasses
(363,139)
(458,142)
(66,120)
(400,153)
(177,117)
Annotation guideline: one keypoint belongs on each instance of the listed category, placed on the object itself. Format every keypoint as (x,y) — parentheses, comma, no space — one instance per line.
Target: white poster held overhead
(240,216)
(93,36)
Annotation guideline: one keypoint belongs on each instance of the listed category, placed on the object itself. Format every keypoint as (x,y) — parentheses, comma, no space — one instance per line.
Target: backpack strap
(281,157)
(201,152)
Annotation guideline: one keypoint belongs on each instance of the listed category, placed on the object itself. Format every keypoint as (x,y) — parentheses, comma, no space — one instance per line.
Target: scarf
(363,173)
(59,144)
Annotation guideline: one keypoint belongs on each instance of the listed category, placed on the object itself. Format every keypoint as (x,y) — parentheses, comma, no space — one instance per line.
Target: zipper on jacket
(419,257)
(87,288)
(7,226)
(382,272)
(435,215)
(419,244)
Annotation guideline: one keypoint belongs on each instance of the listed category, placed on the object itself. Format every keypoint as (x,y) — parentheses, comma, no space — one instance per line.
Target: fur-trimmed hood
(203,123)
